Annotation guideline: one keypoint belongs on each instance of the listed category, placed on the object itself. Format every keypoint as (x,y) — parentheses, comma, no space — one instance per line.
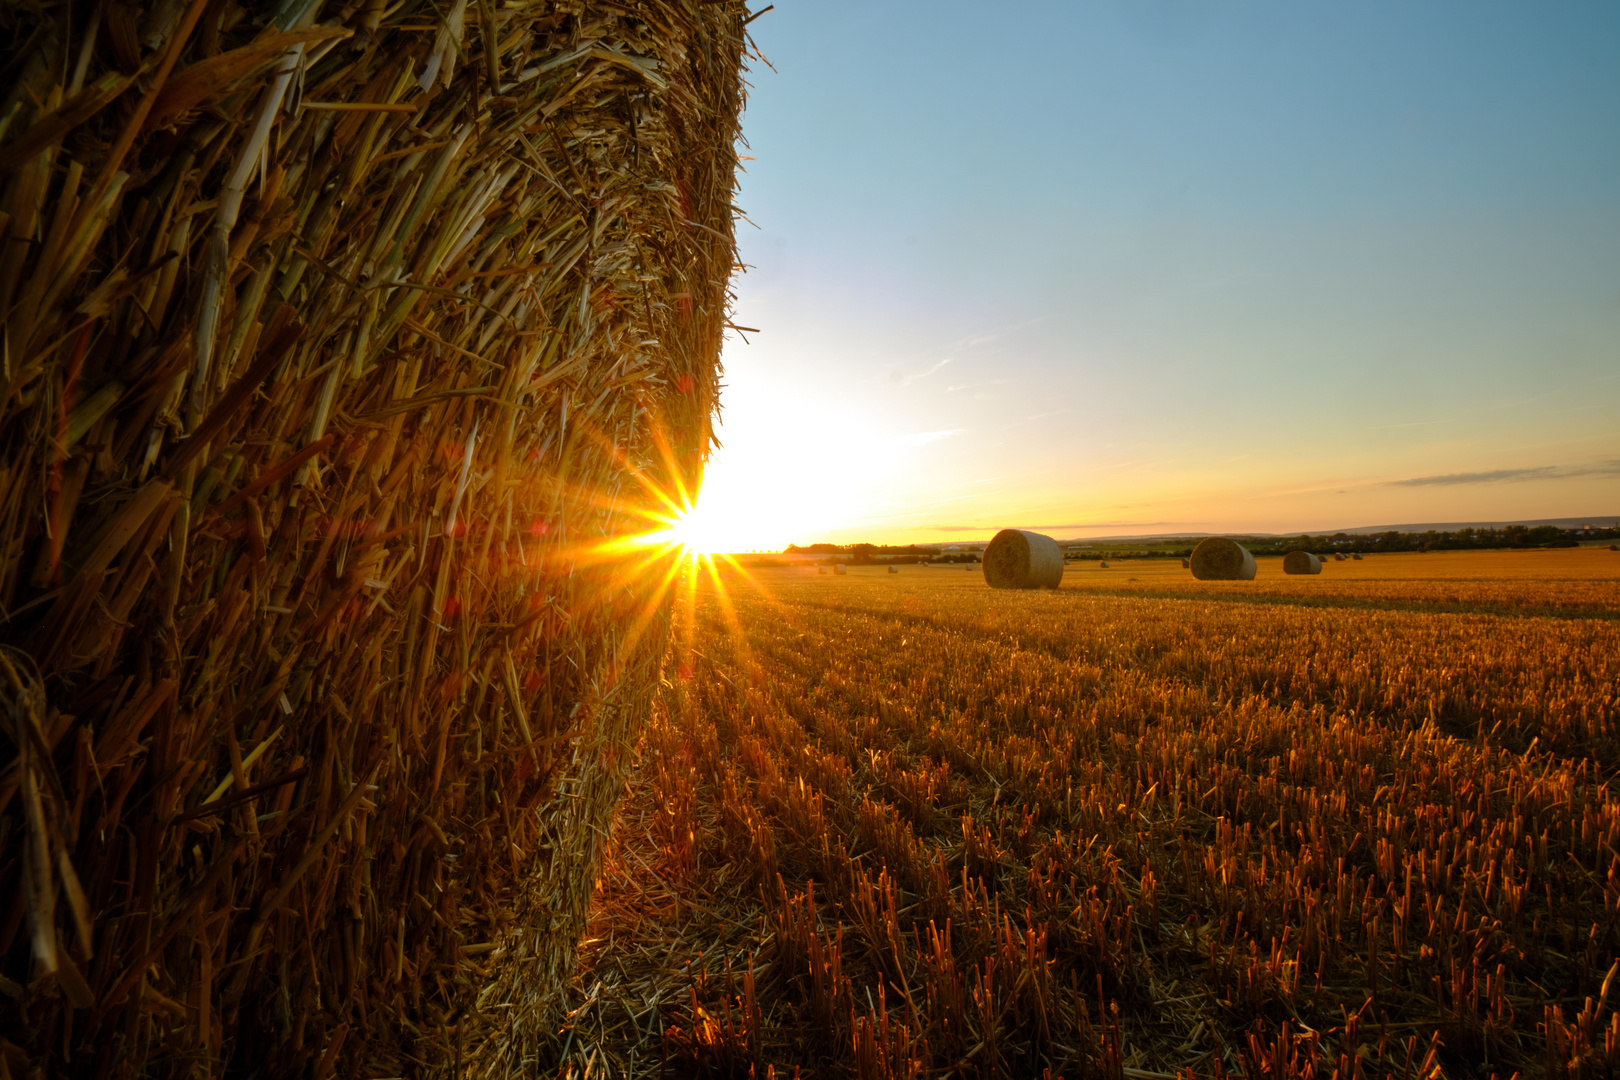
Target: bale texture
(1218,559)
(1301,562)
(344,343)
(1018,559)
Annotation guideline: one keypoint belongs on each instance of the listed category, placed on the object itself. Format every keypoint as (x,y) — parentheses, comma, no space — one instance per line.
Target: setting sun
(698,532)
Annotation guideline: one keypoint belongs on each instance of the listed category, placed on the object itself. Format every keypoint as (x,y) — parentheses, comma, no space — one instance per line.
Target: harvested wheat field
(918,827)
(1582,582)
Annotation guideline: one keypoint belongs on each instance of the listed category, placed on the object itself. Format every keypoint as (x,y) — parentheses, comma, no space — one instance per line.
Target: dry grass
(915,827)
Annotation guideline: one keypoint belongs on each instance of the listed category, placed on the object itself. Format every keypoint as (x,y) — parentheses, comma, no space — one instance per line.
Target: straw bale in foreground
(1218,559)
(1301,562)
(342,343)
(1019,559)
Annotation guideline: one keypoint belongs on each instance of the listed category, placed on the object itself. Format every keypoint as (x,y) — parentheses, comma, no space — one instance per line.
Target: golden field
(1582,580)
(1360,824)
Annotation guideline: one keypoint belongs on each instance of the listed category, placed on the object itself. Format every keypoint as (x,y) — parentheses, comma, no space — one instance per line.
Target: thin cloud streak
(1060,528)
(923,438)
(1499,476)
(907,380)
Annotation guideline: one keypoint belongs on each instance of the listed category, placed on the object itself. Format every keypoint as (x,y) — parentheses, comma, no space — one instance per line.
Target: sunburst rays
(666,552)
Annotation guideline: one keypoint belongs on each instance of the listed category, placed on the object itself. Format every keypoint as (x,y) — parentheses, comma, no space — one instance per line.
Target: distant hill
(1597,521)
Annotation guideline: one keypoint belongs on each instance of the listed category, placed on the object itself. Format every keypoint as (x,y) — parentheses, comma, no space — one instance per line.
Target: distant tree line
(857,549)
(879,554)
(1510,537)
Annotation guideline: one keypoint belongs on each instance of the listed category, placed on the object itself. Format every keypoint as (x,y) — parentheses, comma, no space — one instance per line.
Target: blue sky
(1189,264)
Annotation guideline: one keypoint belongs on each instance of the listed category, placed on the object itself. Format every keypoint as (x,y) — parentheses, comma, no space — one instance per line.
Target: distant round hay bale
(1356,556)
(1614,547)
(1186,564)
(894,569)
(1338,556)
(821,569)
(1105,564)
(838,568)
(1301,562)
(969,569)
(1018,559)
(1218,559)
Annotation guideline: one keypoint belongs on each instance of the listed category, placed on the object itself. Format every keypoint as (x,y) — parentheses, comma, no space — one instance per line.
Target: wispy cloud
(923,438)
(906,380)
(1495,476)
(1063,528)
(975,385)
(1106,525)
(1000,332)
(1500,476)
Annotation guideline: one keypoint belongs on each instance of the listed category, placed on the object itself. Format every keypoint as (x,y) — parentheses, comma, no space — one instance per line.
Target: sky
(1109,267)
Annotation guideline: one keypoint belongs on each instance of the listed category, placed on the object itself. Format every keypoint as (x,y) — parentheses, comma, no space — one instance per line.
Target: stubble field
(904,825)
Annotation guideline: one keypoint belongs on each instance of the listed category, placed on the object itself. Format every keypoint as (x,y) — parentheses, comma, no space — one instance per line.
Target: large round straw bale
(511,201)
(1218,559)
(1019,559)
(1301,562)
